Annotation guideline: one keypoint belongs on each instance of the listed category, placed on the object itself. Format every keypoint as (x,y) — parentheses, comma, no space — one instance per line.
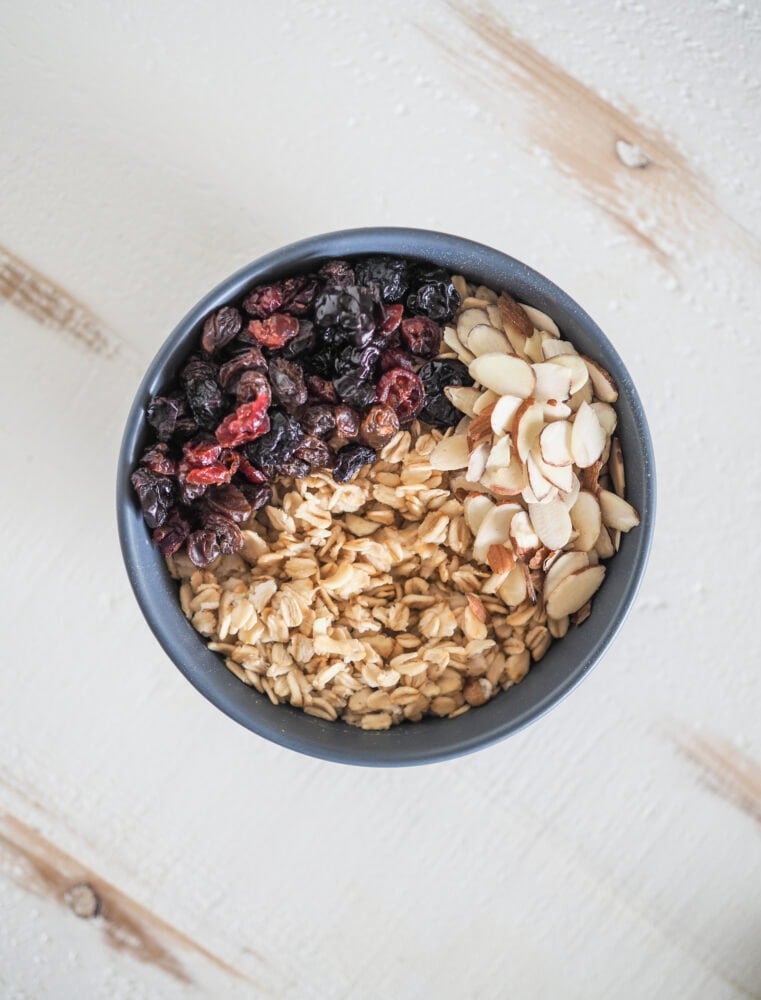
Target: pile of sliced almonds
(538,455)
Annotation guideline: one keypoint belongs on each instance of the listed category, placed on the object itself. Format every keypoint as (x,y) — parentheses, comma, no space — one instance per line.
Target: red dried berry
(245,360)
(403,391)
(421,336)
(157,459)
(251,473)
(396,357)
(264,300)
(171,534)
(275,331)
(229,501)
(205,475)
(246,423)
(201,451)
(392,319)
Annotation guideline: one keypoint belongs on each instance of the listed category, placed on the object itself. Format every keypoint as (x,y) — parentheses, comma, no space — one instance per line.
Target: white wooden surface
(147,150)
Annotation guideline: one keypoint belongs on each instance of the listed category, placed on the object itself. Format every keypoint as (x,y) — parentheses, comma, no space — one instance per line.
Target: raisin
(302,343)
(297,468)
(220,328)
(421,336)
(321,389)
(250,472)
(162,414)
(350,460)
(435,376)
(396,357)
(228,500)
(203,393)
(203,547)
(347,422)
(275,331)
(299,294)
(379,425)
(185,428)
(434,296)
(170,535)
(201,451)
(316,452)
(319,420)
(248,422)
(288,385)
(258,496)
(228,534)
(279,443)
(157,459)
(403,391)
(248,359)
(337,273)
(251,386)
(390,274)
(264,300)
(156,494)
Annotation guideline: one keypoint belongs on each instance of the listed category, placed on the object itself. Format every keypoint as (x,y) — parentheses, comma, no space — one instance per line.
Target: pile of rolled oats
(435,578)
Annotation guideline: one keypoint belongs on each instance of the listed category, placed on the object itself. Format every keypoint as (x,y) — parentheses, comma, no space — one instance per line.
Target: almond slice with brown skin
(466,320)
(586,520)
(587,437)
(560,476)
(503,414)
(504,374)
(475,509)
(590,477)
(606,415)
(565,565)
(555,443)
(527,426)
(575,364)
(450,453)
(484,401)
(616,467)
(551,522)
(617,513)
(554,348)
(603,382)
(540,320)
(479,429)
(477,461)
(462,397)
(501,560)
(453,341)
(533,347)
(513,316)
(484,339)
(494,530)
(522,535)
(508,481)
(555,410)
(552,382)
(530,497)
(572,593)
(513,590)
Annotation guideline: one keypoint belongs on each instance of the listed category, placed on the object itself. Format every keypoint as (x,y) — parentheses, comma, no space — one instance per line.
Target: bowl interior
(432,739)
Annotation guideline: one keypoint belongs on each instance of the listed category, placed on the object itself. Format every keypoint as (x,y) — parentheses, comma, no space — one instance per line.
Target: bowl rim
(372,751)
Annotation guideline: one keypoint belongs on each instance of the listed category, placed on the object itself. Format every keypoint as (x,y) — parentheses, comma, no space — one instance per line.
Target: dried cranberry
(220,328)
(264,300)
(162,414)
(299,294)
(157,459)
(155,493)
(403,391)
(302,343)
(389,274)
(321,389)
(188,492)
(319,420)
(350,460)
(206,475)
(421,336)
(251,385)
(171,534)
(379,425)
(393,318)
(228,500)
(337,273)
(248,422)
(347,422)
(250,472)
(203,547)
(396,357)
(288,385)
(275,331)
(248,359)
(316,452)
(258,496)
(201,451)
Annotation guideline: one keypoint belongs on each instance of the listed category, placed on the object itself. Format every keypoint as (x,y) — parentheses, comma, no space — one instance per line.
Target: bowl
(432,739)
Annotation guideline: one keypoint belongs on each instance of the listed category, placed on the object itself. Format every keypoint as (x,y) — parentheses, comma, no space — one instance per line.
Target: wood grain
(725,770)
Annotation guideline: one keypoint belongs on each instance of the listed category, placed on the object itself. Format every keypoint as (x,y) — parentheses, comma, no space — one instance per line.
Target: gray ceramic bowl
(566,663)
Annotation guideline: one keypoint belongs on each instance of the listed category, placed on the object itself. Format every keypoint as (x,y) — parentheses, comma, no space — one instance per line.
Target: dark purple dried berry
(396,357)
(390,274)
(203,393)
(321,389)
(353,309)
(264,300)
(228,500)
(156,495)
(157,459)
(170,536)
(435,376)
(434,296)
(354,391)
(350,460)
(359,361)
(316,452)
(299,294)
(337,273)
(294,467)
(302,343)
(201,450)
(421,336)
(347,422)
(288,385)
(258,496)
(319,420)
(220,328)
(379,425)
(163,412)
(203,547)
(229,536)
(247,359)
(278,444)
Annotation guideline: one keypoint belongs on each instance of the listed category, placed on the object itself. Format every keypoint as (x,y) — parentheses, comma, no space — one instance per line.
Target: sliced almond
(540,485)
(606,415)
(474,302)
(568,497)
(554,348)
(590,477)
(615,537)
(500,454)
(574,591)
(540,320)
(527,426)
(466,320)
(616,467)
(475,509)
(552,523)
(582,395)
(462,397)
(484,339)
(533,347)
(476,606)
(479,429)
(530,589)
(501,560)
(617,513)
(461,285)
(513,590)
(507,481)
(530,497)
(560,476)
(555,443)
(503,414)
(461,484)
(463,426)
(513,317)
(522,535)
(484,401)
(552,382)
(587,437)
(594,558)
(486,293)
(504,374)
(579,371)
(586,520)
(555,410)
(450,453)
(567,563)
(453,341)
(494,530)
(603,382)
(477,461)
(604,544)
(495,319)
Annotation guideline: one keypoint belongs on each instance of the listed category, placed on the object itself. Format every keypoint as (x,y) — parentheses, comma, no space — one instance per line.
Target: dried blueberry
(390,274)
(350,459)
(355,391)
(316,452)
(279,443)
(435,376)
(347,422)
(170,535)
(421,336)
(337,273)
(258,496)
(434,294)
(319,420)
(228,500)
(228,534)
(247,359)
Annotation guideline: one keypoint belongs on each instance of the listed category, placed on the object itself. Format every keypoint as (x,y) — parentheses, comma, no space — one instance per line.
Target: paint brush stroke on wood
(630,170)
(47,303)
(725,770)
(40,867)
